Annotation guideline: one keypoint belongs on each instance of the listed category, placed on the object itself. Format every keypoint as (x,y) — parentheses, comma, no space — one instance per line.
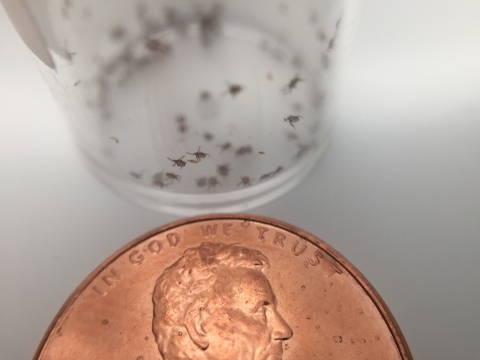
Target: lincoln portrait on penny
(215,303)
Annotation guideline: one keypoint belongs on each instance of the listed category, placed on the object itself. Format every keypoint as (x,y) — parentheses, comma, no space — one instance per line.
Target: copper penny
(225,287)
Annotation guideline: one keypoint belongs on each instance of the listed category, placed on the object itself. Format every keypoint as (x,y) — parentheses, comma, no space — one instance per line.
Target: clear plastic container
(191,106)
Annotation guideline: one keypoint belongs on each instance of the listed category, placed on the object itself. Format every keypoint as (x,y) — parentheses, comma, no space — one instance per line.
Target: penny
(225,287)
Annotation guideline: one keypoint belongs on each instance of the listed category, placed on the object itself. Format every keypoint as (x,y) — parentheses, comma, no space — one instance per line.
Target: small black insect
(331,43)
(243,150)
(266,176)
(77,82)
(223,170)
(173,177)
(213,182)
(114,138)
(210,23)
(208,136)
(234,89)
(158,46)
(205,95)
(157,180)
(244,181)
(292,84)
(199,155)
(181,124)
(178,162)
(201,182)
(293,119)
(225,146)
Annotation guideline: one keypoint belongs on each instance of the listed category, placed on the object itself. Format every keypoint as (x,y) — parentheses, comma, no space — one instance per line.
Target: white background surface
(397,192)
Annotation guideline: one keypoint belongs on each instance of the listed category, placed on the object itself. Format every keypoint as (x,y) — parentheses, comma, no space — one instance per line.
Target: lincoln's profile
(216,303)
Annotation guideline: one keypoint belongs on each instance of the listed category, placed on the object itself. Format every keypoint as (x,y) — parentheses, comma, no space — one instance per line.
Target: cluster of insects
(224,170)
(209,182)
(199,155)
(271,174)
(209,22)
(162,180)
(291,85)
(235,89)
(181,124)
(140,50)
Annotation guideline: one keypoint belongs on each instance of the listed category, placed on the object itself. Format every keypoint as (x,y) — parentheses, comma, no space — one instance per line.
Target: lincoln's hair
(189,286)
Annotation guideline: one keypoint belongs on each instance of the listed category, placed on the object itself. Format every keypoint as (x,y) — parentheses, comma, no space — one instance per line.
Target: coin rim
(398,337)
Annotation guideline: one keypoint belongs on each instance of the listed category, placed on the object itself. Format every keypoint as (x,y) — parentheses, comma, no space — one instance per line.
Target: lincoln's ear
(195,330)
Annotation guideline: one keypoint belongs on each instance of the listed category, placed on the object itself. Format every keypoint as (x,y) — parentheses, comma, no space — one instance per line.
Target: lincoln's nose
(281,330)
